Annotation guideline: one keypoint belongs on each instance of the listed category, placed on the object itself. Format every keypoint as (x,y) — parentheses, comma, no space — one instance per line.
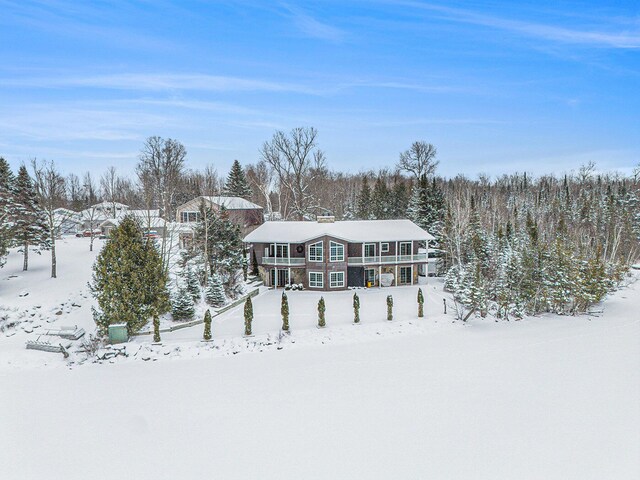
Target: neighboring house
(330,255)
(247,215)
(66,222)
(93,216)
(149,221)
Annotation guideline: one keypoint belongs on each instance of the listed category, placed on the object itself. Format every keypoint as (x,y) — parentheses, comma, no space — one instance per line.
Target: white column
(362,253)
(379,273)
(396,251)
(396,277)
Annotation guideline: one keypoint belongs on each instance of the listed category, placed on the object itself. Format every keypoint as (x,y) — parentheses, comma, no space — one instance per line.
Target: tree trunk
(25,264)
(54,261)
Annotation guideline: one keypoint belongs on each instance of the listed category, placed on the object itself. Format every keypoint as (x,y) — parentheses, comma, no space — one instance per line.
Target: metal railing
(386,259)
(284,261)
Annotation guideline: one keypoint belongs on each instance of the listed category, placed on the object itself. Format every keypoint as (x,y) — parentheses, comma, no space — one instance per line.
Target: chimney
(326,219)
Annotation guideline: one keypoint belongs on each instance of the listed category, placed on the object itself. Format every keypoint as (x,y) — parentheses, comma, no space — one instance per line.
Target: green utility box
(118,333)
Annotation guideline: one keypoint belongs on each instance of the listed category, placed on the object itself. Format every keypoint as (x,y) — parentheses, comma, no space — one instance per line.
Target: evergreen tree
(420,303)
(156,329)
(380,200)
(364,201)
(30,227)
(207,325)
(8,209)
(248,316)
(356,308)
(284,311)
(389,307)
(193,284)
(321,310)
(399,200)
(237,184)
(182,305)
(427,206)
(128,280)
(254,264)
(214,293)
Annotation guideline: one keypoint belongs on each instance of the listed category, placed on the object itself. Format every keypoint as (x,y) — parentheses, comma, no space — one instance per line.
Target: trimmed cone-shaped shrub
(156,329)
(356,308)
(284,311)
(248,316)
(321,310)
(207,325)
(214,294)
(389,307)
(420,303)
(182,307)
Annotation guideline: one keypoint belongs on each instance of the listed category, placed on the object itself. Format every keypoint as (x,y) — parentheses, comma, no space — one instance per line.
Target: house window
(405,248)
(336,251)
(384,247)
(336,279)
(315,252)
(189,217)
(369,249)
(405,275)
(316,279)
(282,251)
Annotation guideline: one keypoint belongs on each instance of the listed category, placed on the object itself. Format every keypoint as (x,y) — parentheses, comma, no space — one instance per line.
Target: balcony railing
(283,261)
(386,259)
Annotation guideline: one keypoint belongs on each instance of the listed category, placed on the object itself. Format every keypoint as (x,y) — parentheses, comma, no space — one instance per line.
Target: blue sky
(542,86)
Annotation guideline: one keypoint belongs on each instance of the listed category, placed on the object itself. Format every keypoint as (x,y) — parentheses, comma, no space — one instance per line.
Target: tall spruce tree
(182,307)
(214,293)
(30,224)
(380,204)
(8,209)
(363,207)
(237,184)
(128,280)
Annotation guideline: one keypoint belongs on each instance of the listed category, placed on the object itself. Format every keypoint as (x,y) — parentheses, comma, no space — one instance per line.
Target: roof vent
(326,218)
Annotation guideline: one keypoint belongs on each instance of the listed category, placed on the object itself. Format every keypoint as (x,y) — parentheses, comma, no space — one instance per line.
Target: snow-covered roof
(109,205)
(232,203)
(351,231)
(144,222)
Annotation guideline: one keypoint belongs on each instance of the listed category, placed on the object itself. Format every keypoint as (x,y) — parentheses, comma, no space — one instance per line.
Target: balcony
(284,261)
(387,259)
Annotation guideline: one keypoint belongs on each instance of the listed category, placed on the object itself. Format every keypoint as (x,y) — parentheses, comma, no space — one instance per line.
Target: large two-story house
(330,255)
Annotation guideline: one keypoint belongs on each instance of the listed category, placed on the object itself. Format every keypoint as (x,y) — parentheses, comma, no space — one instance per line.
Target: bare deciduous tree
(296,159)
(50,189)
(419,160)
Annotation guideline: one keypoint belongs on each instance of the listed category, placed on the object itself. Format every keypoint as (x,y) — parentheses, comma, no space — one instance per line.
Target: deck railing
(283,261)
(386,259)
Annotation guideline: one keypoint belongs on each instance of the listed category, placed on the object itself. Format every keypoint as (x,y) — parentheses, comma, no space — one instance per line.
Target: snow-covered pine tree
(420,303)
(389,307)
(284,311)
(237,184)
(192,284)
(248,316)
(182,307)
(30,225)
(8,209)
(398,199)
(156,329)
(254,264)
(207,325)
(356,308)
(380,200)
(128,280)
(363,210)
(321,310)
(214,293)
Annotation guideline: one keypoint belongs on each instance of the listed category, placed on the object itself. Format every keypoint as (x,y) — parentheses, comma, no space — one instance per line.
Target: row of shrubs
(284,312)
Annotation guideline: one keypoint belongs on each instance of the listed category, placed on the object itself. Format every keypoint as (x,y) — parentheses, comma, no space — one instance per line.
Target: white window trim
(410,276)
(364,249)
(321,279)
(384,247)
(315,258)
(331,281)
(400,244)
(336,259)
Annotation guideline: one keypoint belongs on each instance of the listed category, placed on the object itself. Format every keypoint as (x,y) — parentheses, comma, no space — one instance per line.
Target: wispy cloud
(609,35)
(314,28)
(159,82)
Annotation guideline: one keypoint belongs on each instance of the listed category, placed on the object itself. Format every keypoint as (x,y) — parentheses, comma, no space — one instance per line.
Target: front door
(282,277)
(370,277)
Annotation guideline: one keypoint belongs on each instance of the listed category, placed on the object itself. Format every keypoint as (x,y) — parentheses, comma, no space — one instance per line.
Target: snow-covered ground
(543,398)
